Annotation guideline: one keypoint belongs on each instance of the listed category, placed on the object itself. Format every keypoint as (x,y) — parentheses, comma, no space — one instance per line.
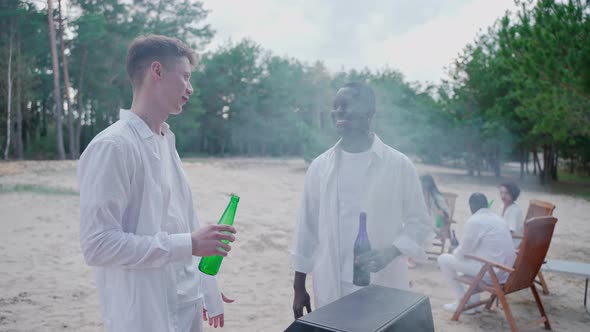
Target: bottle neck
(363,226)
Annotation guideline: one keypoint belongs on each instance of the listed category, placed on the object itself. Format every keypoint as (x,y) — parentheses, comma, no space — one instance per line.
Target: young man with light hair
(138,227)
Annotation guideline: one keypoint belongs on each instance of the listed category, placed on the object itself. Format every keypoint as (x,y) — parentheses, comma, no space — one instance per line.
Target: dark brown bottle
(361,275)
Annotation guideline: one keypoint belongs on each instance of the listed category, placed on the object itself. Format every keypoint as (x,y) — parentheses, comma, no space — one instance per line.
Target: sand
(46,286)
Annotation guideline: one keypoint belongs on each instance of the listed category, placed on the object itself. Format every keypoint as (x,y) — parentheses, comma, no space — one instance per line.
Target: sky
(420,38)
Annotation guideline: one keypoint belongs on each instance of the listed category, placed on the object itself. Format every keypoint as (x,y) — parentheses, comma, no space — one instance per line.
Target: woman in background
(437,207)
(512,212)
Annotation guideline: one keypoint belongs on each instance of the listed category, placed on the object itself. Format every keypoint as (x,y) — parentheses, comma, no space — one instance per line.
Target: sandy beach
(46,286)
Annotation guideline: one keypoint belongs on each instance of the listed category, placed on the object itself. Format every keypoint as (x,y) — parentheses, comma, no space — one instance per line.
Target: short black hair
(513,189)
(477,201)
(363,92)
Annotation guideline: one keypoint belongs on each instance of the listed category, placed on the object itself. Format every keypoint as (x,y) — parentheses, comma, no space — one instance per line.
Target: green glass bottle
(439,223)
(210,265)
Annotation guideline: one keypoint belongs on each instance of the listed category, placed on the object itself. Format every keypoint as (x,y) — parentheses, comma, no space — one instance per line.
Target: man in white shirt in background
(359,174)
(138,227)
(485,235)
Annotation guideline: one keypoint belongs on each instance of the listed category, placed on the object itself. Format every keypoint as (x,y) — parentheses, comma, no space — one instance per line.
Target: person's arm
(306,240)
(514,219)
(301,298)
(306,231)
(417,228)
(511,218)
(442,205)
(211,295)
(519,221)
(106,171)
(213,302)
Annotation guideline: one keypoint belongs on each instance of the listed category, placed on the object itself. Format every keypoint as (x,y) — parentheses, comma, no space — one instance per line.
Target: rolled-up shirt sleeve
(105,174)
(306,231)
(417,227)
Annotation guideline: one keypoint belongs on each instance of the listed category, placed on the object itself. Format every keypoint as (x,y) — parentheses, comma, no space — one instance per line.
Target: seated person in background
(437,209)
(485,235)
(512,212)
(435,202)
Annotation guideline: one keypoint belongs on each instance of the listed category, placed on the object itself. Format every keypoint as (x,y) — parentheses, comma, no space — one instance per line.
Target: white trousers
(451,266)
(190,317)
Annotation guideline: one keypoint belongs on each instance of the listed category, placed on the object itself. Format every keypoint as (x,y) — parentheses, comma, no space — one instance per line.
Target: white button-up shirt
(124,206)
(487,235)
(396,214)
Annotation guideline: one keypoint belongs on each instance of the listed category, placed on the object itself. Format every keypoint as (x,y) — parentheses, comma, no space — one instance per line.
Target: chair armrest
(485,261)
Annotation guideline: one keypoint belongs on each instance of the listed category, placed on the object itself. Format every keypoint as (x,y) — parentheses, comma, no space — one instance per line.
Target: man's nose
(338,111)
(189,89)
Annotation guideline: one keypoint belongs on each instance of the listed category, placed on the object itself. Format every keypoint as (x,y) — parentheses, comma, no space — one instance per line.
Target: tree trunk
(536,162)
(555,165)
(470,160)
(44,118)
(545,174)
(80,101)
(542,172)
(56,89)
(19,103)
(9,92)
(478,165)
(72,142)
(497,163)
(527,155)
(205,143)
(521,164)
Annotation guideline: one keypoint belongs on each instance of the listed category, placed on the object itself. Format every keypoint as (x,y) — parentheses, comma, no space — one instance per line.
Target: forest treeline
(520,90)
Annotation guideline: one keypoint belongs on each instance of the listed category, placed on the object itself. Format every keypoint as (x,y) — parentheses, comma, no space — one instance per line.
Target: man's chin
(177,111)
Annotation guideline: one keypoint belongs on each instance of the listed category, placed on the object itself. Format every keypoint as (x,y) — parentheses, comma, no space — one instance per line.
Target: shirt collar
(138,123)
(377,148)
(482,211)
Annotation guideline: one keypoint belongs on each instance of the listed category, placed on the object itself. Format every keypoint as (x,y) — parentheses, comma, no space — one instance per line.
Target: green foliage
(523,85)
(42,147)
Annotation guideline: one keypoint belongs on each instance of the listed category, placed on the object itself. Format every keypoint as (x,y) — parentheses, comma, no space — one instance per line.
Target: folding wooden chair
(538,208)
(535,244)
(445,231)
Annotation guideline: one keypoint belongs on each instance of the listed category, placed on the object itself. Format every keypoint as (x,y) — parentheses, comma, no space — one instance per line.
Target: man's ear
(156,70)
